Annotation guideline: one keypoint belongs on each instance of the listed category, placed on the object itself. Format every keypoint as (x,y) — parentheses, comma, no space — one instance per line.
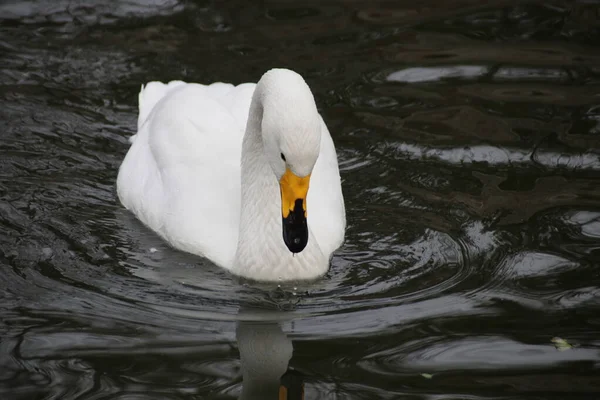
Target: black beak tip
(295,229)
(295,244)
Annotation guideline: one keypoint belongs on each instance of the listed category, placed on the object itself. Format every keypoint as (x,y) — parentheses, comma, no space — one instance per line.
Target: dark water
(468,138)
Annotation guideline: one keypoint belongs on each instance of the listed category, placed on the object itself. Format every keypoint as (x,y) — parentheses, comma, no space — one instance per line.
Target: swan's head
(291,131)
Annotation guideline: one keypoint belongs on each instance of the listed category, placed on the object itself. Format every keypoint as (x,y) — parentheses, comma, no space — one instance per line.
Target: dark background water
(468,141)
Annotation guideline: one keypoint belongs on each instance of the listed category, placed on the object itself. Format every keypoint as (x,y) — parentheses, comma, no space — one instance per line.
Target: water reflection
(265,352)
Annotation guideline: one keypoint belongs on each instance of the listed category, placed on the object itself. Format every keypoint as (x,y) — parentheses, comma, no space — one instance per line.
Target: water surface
(468,142)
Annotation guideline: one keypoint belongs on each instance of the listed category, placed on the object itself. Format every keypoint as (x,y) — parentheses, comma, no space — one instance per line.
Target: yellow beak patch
(293,188)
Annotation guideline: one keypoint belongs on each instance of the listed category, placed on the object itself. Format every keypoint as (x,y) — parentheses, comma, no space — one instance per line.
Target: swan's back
(181,176)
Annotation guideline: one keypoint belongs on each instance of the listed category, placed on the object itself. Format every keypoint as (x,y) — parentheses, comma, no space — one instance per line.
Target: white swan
(240,199)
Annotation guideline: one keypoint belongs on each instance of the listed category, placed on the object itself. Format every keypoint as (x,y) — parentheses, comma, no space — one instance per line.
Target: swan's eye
(283,157)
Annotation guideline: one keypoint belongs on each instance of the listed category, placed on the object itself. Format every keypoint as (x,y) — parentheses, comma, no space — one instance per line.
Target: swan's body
(205,167)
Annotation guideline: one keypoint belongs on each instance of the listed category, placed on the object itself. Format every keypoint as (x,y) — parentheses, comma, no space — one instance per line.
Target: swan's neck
(260,190)
(261,252)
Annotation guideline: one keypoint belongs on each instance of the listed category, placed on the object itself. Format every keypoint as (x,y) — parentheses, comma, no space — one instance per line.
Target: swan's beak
(293,210)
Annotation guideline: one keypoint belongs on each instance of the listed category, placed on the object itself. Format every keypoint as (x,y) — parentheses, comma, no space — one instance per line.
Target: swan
(246,176)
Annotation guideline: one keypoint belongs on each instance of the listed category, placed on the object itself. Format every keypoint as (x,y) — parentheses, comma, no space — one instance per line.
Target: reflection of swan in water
(265,352)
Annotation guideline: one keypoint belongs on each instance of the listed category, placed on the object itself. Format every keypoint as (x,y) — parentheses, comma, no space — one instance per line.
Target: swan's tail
(149,96)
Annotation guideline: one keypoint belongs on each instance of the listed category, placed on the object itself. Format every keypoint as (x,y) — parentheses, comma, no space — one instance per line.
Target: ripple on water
(65,11)
(581,297)
(428,74)
(588,221)
(490,353)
